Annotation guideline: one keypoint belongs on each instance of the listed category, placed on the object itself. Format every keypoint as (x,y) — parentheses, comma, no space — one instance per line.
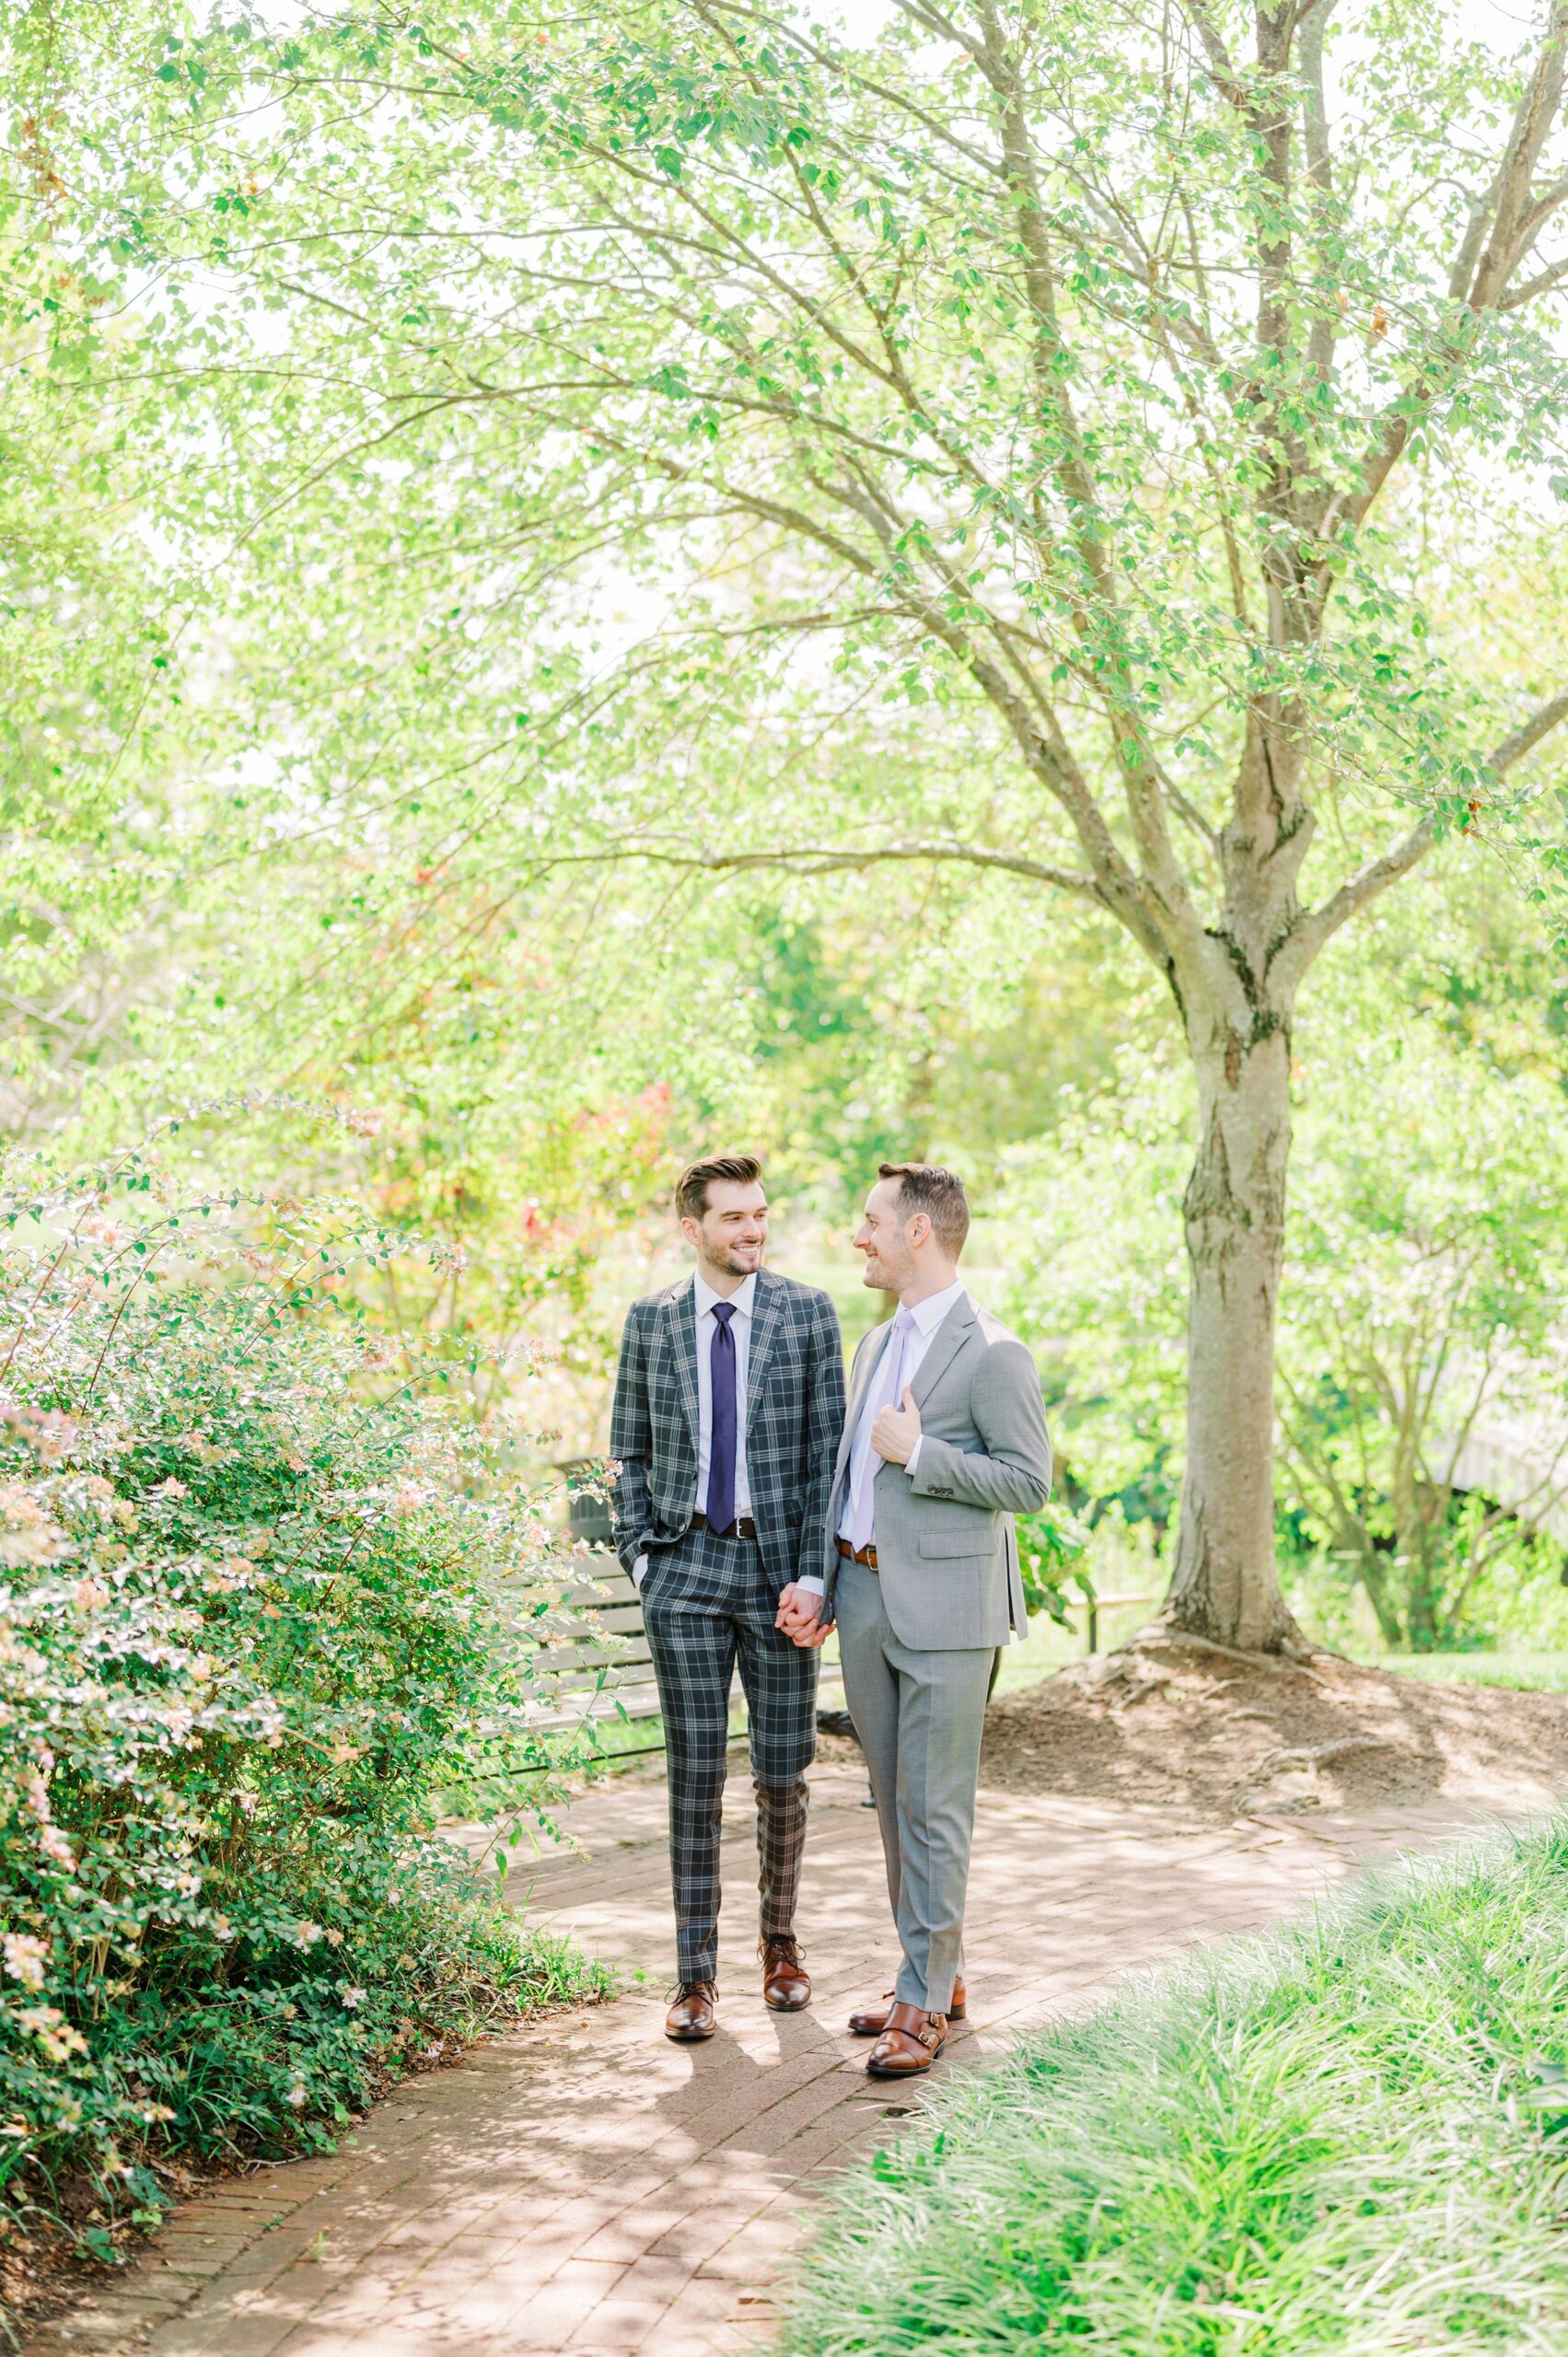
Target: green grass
(1544,1671)
(1346,2137)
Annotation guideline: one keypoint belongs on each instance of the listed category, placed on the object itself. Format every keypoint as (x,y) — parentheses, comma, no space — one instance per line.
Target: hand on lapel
(896,1430)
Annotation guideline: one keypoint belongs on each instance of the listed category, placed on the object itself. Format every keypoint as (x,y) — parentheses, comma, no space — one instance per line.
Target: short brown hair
(691,1187)
(939,1193)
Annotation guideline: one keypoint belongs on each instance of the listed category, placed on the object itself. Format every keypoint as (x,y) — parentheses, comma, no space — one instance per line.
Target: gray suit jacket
(946,1551)
(794,1413)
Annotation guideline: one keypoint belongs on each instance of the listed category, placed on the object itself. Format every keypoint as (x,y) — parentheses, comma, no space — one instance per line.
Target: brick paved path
(584,2186)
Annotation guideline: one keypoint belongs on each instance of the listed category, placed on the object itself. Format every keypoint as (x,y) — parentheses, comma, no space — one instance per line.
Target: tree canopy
(614,476)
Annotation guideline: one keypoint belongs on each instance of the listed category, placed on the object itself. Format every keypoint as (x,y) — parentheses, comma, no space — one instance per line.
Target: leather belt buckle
(865,1556)
(742,1526)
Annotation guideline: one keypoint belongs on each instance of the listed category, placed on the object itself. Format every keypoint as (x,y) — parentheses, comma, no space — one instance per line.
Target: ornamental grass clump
(1350,2137)
(258,1605)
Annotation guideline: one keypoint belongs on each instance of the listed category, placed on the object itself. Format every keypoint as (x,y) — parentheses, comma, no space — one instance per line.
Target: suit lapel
(681,1325)
(946,1344)
(766,1305)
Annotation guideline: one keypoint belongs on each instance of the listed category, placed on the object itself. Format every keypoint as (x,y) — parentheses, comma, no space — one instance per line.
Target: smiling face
(888,1242)
(731,1236)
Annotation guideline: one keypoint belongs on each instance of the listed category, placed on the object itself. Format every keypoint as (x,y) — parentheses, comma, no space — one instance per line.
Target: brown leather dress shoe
(694,2014)
(872,2020)
(787,1984)
(910,2044)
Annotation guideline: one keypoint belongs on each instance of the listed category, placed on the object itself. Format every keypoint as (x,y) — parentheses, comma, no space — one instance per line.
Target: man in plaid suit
(729,1404)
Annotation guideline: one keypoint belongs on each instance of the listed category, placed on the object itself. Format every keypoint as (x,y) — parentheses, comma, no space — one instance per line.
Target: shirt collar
(928,1313)
(740,1299)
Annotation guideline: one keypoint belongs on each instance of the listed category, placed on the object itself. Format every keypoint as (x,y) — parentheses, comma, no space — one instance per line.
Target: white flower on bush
(54,1844)
(352,1997)
(305,1936)
(407,1497)
(53,2031)
(27,1532)
(25,1958)
(297,2095)
(171,1489)
(188,1885)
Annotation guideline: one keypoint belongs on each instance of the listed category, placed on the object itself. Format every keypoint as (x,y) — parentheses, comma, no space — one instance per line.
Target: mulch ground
(1165,1724)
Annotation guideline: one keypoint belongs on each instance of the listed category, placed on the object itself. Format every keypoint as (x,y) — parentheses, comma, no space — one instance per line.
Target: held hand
(799,1616)
(896,1430)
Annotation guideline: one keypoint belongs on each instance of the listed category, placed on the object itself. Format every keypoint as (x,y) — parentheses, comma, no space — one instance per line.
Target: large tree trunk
(1225,1586)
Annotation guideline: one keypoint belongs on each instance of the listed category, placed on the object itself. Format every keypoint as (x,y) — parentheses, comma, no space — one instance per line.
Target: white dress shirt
(863,1462)
(743,1302)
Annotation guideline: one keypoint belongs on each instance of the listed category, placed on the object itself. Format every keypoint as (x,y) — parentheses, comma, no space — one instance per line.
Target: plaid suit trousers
(706,1603)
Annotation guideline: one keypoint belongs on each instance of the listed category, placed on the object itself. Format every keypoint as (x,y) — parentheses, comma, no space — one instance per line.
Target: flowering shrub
(254,1611)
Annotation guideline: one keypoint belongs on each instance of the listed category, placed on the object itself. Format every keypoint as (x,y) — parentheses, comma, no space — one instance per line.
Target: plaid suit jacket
(794,1414)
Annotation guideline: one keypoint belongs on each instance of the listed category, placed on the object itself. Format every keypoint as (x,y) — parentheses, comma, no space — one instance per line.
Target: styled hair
(691,1187)
(926,1186)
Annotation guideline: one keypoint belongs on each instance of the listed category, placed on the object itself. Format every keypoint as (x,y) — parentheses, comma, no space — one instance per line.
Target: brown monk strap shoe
(787,1984)
(872,2020)
(694,2014)
(910,2044)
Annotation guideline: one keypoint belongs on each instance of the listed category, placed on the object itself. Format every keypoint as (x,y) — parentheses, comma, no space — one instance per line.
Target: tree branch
(1529,733)
(829,859)
(1320,925)
(1517,216)
(1541,284)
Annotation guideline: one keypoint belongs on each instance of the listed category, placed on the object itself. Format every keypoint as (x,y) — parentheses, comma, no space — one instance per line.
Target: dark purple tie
(721,1456)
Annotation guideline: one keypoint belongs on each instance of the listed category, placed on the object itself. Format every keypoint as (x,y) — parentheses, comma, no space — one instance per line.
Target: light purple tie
(889,1390)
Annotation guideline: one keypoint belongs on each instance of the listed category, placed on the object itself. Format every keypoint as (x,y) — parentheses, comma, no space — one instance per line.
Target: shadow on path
(583,2185)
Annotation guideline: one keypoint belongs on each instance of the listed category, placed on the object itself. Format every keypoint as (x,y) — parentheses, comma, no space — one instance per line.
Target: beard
(736,1261)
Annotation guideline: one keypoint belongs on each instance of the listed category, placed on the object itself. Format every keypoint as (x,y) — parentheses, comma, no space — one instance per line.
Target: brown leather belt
(866,1555)
(741,1527)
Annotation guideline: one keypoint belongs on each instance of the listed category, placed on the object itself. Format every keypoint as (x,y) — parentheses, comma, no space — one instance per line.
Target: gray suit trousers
(919,1717)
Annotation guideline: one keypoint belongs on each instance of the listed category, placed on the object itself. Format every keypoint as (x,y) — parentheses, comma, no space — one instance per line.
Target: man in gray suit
(944,1442)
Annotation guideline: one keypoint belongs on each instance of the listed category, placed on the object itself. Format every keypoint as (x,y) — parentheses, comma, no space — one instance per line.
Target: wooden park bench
(595,1678)
(614,1679)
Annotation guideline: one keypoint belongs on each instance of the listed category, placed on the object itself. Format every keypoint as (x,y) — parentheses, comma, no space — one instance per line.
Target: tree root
(1314,1755)
(1159,1636)
(1253,1786)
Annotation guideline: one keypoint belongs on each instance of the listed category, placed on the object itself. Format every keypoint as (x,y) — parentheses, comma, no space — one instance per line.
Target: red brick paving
(584,2186)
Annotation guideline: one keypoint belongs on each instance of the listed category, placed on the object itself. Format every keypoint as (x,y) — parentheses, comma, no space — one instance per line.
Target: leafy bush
(1349,2137)
(1052,1550)
(254,1611)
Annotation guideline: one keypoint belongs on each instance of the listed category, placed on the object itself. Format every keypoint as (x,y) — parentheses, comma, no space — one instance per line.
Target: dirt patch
(1164,1724)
